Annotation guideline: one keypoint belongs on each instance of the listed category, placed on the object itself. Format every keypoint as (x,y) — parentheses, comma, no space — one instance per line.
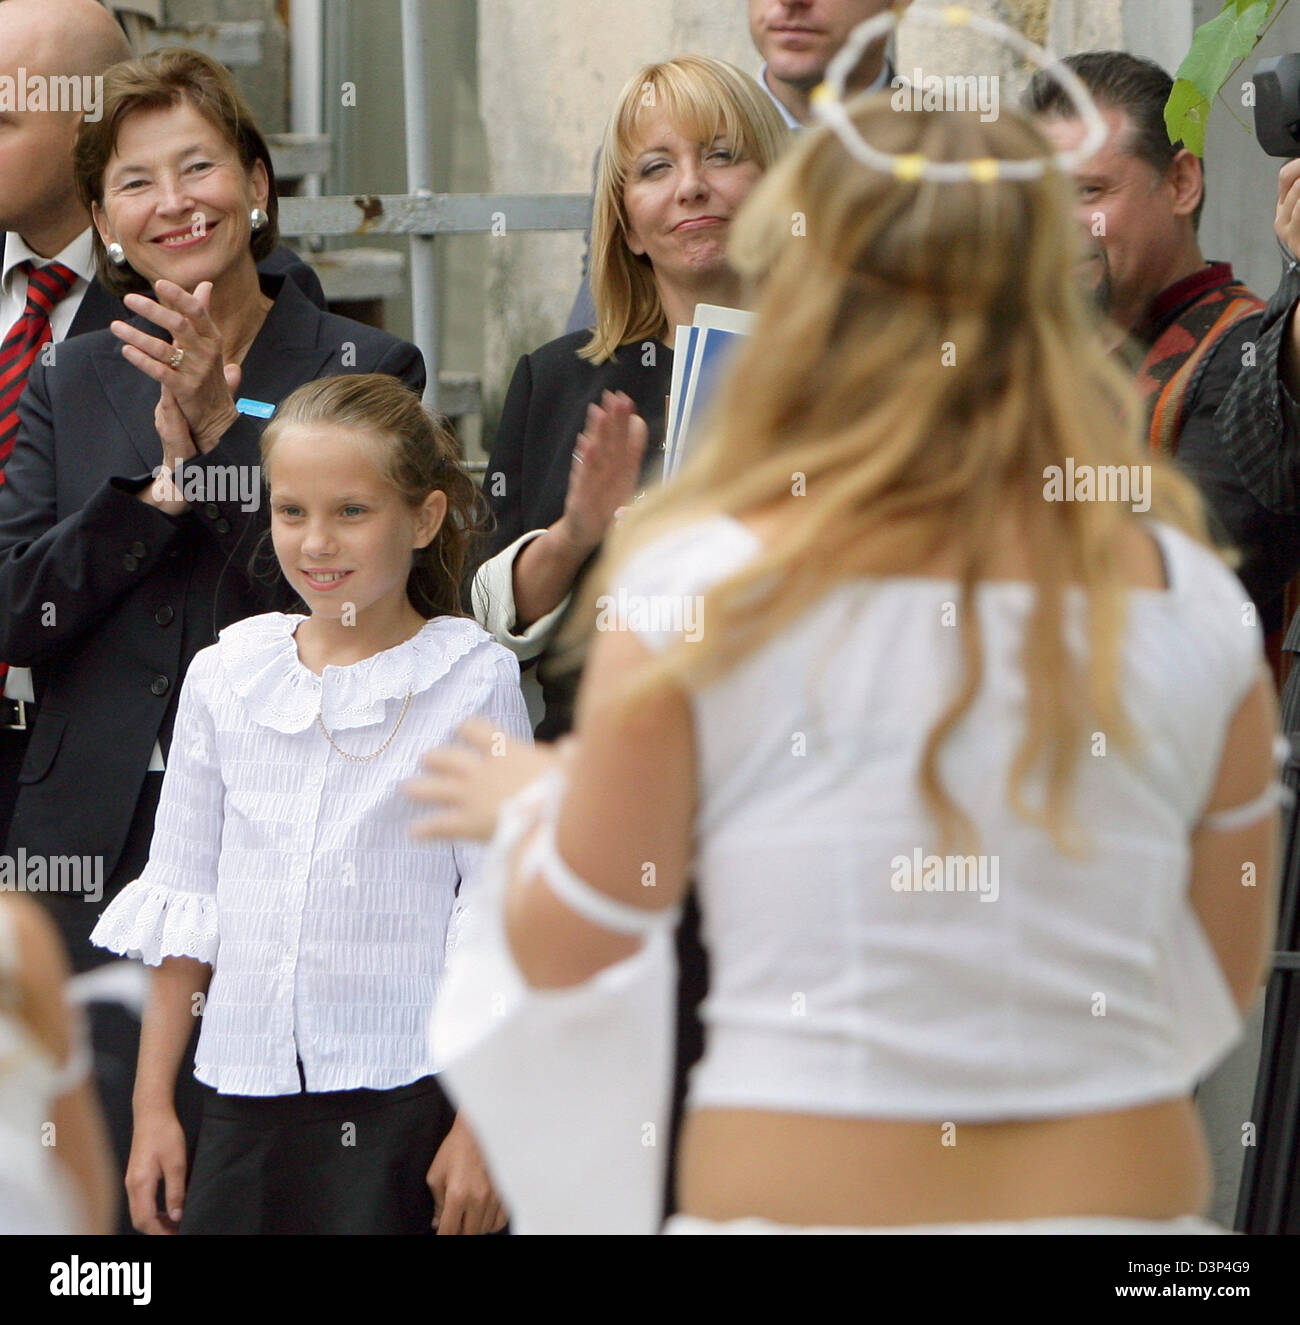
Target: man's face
(36,186)
(799,38)
(1126,209)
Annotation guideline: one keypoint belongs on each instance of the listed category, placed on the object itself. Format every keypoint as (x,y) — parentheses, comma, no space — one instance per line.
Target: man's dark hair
(1117,81)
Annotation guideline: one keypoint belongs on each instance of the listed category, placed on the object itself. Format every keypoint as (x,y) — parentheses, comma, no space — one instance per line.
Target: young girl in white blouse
(283,900)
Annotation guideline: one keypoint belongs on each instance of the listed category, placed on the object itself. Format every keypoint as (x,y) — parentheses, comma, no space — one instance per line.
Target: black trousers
(341,1161)
(13,750)
(692,986)
(1290,706)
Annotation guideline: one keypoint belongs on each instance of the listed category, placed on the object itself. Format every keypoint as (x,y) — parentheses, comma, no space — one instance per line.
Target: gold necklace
(362,759)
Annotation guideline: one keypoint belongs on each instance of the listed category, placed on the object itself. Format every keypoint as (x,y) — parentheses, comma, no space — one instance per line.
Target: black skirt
(342,1161)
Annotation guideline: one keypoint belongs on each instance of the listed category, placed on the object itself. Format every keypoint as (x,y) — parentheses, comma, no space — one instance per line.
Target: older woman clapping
(583,422)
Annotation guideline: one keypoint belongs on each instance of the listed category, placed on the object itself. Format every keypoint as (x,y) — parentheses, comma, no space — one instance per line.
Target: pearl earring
(258,219)
(117,254)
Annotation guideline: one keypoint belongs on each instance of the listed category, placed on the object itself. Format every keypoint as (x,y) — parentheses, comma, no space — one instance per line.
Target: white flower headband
(828,103)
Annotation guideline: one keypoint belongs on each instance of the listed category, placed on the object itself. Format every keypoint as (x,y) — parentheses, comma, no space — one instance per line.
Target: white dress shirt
(79,256)
(289,868)
(881,81)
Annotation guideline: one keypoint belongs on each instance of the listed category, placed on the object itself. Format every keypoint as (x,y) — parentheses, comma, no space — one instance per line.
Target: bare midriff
(1141,1163)
(812,1169)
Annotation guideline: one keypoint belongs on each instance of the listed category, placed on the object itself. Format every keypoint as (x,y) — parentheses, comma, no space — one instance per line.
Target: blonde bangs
(701,98)
(701,101)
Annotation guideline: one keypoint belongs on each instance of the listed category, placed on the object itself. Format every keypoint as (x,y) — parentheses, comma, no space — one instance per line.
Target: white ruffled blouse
(289,868)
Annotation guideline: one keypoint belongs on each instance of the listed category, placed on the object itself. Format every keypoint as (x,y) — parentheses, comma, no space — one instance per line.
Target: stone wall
(265,85)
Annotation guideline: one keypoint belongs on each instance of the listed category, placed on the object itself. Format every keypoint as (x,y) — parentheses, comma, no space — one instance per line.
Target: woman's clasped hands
(192,365)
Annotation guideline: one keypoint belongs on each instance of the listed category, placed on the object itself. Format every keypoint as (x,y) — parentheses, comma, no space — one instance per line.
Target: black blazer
(545,410)
(98,307)
(106,598)
(528,472)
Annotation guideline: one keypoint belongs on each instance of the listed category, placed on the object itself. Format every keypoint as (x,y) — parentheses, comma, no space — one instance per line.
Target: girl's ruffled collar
(259,657)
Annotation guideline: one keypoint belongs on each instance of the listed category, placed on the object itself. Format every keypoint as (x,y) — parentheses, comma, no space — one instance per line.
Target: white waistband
(1100,1224)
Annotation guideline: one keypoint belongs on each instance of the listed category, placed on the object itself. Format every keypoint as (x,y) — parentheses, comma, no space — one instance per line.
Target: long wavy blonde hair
(922,356)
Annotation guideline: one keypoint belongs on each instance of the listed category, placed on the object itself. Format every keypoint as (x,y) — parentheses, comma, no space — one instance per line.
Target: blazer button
(129,562)
(165,615)
(138,549)
(222,526)
(159,685)
(211,510)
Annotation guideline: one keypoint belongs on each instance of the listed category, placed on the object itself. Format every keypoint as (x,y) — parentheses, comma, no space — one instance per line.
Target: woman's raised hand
(606,468)
(192,365)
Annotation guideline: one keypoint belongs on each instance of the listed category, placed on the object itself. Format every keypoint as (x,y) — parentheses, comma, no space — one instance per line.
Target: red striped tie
(45,287)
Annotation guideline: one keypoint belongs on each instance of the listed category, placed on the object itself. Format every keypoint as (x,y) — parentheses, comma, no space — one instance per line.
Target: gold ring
(177,359)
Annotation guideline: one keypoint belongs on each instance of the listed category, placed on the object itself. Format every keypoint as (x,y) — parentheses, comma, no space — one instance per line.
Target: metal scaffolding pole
(419,182)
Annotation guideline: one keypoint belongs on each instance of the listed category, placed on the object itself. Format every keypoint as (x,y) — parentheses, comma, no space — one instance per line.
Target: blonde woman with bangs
(965,775)
(582,428)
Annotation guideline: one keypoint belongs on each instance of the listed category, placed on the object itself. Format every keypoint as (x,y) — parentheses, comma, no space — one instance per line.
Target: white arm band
(543,857)
(78,1067)
(1242,816)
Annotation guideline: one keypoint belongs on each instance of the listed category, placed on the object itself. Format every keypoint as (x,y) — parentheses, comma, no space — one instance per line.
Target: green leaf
(1217,46)
(1187,113)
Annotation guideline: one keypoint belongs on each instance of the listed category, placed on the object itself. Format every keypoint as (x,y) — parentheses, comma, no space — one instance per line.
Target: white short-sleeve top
(853,970)
(290,868)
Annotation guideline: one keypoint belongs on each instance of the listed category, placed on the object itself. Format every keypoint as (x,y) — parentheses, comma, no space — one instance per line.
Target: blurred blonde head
(703,98)
(922,357)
